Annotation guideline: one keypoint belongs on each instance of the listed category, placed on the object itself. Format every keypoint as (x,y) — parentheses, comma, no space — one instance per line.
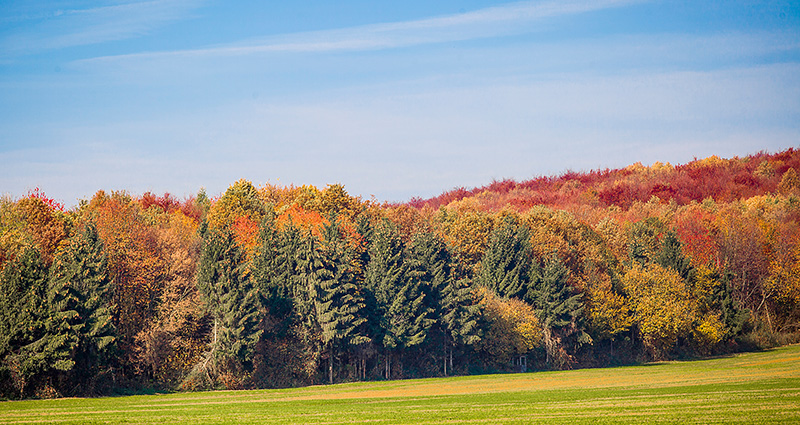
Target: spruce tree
(384,278)
(449,299)
(311,299)
(27,352)
(506,264)
(272,268)
(459,317)
(342,291)
(671,256)
(560,312)
(79,297)
(232,301)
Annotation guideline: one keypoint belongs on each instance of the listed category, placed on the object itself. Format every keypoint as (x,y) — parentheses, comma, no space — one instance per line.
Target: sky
(392,99)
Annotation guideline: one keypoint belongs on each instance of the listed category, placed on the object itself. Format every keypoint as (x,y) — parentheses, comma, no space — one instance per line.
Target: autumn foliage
(280,286)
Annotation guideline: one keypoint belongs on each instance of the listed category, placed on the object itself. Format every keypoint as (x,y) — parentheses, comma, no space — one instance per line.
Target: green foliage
(232,301)
(81,322)
(506,265)
(644,237)
(560,312)
(671,256)
(27,350)
(618,265)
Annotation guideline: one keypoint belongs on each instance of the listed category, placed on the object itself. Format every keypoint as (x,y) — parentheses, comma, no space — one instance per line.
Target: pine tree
(506,265)
(232,301)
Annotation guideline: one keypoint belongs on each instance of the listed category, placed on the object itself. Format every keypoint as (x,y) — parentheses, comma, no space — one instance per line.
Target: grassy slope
(751,388)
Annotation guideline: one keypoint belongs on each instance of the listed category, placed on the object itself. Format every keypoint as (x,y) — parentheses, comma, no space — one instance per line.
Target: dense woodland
(285,286)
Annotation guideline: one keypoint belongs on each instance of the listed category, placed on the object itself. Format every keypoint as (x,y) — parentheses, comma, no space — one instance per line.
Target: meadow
(761,387)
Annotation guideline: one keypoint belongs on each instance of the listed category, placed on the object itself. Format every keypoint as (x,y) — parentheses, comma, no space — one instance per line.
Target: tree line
(286,286)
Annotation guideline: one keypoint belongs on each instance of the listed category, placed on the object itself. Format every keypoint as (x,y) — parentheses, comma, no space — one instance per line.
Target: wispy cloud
(502,20)
(62,28)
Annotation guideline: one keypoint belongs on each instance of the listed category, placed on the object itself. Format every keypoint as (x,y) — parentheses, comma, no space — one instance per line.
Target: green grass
(746,388)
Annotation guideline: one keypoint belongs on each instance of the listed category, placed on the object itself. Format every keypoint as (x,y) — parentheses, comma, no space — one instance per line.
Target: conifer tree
(385,277)
(232,301)
(79,297)
(27,353)
(671,256)
(560,312)
(459,317)
(272,267)
(449,299)
(311,300)
(506,265)
(341,307)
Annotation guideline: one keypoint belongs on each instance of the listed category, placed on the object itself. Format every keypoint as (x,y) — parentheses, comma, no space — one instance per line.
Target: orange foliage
(302,218)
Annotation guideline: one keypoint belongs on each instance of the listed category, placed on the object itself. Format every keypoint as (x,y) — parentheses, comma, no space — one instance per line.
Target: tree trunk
(451,360)
(330,366)
(445,359)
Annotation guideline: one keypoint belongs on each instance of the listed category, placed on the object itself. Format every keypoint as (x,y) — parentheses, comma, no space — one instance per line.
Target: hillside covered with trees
(276,286)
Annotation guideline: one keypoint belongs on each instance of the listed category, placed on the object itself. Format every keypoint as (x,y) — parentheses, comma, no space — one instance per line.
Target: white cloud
(79,27)
(488,22)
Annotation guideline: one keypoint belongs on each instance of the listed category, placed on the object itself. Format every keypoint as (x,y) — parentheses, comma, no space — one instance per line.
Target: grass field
(746,388)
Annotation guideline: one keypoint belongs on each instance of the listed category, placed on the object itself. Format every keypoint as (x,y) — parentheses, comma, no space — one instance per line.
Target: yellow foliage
(712,161)
(513,328)
(664,306)
(240,200)
(784,281)
(469,232)
(709,331)
(609,312)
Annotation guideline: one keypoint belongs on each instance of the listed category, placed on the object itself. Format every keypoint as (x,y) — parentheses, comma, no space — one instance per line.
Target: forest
(283,286)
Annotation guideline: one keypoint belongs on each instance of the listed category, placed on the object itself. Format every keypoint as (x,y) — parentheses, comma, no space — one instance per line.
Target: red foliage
(169,203)
(720,179)
(50,202)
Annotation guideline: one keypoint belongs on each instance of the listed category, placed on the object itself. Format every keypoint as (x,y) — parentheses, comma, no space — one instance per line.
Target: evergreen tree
(671,256)
(79,297)
(643,240)
(232,301)
(448,299)
(384,278)
(272,268)
(560,312)
(341,307)
(459,317)
(311,299)
(506,264)
(27,352)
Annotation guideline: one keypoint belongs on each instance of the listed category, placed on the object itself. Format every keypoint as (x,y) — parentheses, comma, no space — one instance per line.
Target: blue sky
(391,99)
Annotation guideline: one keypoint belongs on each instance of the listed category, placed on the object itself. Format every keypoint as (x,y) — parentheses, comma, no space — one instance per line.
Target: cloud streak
(513,18)
(79,27)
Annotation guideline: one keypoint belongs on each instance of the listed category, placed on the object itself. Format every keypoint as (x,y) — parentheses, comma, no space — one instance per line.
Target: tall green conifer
(79,297)
(27,352)
(232,300)
(506,264)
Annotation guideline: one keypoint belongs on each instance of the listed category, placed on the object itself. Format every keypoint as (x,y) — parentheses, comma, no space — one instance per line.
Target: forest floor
(761,387)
